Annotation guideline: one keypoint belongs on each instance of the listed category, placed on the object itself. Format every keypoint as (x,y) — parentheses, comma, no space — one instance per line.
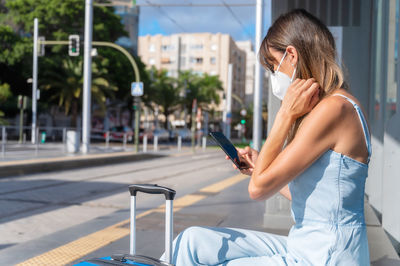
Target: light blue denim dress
(329,229)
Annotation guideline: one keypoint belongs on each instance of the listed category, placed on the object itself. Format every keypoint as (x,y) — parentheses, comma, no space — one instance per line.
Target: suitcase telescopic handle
(152,189)
(169,229)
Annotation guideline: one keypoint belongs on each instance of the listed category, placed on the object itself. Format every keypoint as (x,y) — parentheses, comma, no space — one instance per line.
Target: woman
(316,155)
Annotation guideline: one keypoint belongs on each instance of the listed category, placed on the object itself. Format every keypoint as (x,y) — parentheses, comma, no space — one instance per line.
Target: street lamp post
(87,76)
(34,77)
(257,119)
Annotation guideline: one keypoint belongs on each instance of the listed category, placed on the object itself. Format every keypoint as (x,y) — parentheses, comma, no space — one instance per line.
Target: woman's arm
(318,132)
(250,156)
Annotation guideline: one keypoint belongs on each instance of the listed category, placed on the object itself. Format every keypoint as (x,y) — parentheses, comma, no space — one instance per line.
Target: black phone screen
(228,148)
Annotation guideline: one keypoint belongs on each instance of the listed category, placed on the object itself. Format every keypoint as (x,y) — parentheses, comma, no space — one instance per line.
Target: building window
(152,61)
(152,48)
(167,47)
(196,46)
(196,60)
(213,60)
(214,47)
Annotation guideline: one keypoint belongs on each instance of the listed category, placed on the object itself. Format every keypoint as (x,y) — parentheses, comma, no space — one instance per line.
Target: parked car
(143,132)
(97,135)
(184,133)
(117,133)
(163,134)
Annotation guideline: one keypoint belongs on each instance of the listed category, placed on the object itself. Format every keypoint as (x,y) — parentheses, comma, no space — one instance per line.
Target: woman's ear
(292,55)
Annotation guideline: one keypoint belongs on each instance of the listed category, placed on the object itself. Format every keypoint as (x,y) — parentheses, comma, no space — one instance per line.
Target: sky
(168,20)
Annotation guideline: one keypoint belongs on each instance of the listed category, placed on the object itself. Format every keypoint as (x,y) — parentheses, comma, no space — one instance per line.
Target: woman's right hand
(248,156)
(300,98)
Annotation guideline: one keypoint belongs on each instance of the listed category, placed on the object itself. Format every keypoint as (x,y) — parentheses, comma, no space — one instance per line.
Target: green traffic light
(243,121)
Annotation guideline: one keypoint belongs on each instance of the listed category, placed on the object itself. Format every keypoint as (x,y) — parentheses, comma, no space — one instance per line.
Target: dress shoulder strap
(363,123)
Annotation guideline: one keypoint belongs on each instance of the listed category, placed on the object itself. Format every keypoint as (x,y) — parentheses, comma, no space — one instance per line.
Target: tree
(63,85)
(204,88)
(166,93)
(13,61)
(57,20)
(5,93)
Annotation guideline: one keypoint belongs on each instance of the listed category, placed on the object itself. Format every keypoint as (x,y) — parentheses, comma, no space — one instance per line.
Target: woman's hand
(248,156)
(301,97)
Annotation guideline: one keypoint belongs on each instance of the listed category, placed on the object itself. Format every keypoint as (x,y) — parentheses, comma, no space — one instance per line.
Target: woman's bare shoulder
(329,110)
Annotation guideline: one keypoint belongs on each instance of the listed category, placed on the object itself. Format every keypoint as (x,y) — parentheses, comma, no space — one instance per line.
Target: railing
(15,140)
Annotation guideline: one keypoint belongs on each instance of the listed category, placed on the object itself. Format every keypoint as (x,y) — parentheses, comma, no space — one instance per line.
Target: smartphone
(229,149)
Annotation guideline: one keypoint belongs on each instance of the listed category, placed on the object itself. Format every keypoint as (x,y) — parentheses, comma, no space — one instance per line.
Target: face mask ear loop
(294,73)
(280,63)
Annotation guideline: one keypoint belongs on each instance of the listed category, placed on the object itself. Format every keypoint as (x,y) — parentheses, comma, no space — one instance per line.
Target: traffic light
(22,102)
(242,121)
(73,46)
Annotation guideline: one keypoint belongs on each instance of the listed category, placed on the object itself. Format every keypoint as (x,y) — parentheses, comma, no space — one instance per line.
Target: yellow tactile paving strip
(77,249)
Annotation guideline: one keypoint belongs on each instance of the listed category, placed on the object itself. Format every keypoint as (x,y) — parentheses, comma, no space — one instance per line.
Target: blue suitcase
(132,258)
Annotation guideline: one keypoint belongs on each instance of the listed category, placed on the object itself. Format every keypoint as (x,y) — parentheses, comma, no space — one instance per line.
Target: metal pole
(229,102)
(124,141)
(64,138)
(136,101)
(194,108)
(21,123)
(179,143)
(185,111)
(3,141)
(64,135)
(34,77)
(257,121)
(37,141)
(87,76)
(145,143)
(107,139)
(155,144)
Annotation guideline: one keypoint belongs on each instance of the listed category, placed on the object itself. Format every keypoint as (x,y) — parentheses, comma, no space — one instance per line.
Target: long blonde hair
(316,51)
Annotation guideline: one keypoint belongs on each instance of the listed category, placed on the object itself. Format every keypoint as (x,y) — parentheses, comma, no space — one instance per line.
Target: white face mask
(280,81)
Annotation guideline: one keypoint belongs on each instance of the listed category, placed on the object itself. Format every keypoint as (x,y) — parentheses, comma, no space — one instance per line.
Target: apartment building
(251,57)
(201,53)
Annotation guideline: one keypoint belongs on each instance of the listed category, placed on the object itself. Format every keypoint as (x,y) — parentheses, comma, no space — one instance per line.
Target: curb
(20,168)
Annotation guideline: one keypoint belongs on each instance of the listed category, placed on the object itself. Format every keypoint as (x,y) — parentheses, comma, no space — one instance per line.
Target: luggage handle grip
(152,189)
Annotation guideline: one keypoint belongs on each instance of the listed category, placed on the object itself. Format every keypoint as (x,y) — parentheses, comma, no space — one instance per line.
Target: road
(44,214)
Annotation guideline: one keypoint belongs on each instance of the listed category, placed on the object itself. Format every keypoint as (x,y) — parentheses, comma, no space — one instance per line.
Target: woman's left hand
(249,157)
(301,97)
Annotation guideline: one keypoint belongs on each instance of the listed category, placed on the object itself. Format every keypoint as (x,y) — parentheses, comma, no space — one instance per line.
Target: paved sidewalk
(22,159)
(15,151)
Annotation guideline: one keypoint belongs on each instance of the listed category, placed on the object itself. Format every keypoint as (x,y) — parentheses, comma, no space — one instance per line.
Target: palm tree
(166,93)
(205,89)
(64,86)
